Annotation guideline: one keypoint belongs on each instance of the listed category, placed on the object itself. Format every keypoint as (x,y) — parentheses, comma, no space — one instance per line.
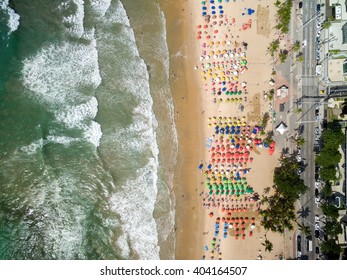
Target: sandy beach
(240,35)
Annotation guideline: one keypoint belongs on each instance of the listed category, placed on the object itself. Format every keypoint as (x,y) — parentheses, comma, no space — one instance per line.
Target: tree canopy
(331,249)
(279,213)
(286,179)
(330,210)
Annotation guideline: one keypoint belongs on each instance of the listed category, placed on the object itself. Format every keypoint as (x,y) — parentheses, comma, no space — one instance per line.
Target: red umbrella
(205,26)
(199,37)
(199,26)
(216,31)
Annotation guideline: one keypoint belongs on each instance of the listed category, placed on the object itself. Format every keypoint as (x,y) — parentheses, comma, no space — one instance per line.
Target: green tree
(327,190)
(327,173)
(333,228)
(296,46)
(283,56)
(300,141)
(300,58)
(330,210)
(279,213)
(305,229)
(331,249)
(286,179)
(268,245)
(326,24)
(273,47)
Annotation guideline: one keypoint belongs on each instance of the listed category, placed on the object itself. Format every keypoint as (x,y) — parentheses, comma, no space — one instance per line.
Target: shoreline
(188,118)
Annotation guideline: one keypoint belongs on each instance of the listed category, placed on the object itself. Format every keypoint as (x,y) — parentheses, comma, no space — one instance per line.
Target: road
(310,95)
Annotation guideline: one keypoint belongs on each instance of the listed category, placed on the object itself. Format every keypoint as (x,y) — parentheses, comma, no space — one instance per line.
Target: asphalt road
(310,95)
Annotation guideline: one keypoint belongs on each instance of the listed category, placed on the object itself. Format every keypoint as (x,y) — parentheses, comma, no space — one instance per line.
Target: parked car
(298,241)
(316,226)
(298,158)
(317,200)
(316,192)
(316,218)
(316,233)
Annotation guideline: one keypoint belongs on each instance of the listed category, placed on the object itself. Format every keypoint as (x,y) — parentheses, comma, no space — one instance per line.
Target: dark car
(318,7)
(316,233)
(298,240)
(316,192)
(317,250)
(300,4)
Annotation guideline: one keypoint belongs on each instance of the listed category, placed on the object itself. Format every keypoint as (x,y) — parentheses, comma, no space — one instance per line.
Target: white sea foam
(54,77)
(73,21)
(32,147)
(122,243)
(100,6)
(135,205)
(13,18)
(134,200)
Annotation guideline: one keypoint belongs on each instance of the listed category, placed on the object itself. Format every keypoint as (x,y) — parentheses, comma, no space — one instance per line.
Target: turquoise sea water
(82,153)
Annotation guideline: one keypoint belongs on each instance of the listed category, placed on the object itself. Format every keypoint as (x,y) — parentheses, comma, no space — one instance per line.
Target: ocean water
(87,139)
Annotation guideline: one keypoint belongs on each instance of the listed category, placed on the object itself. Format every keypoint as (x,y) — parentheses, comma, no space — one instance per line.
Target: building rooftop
(336,69)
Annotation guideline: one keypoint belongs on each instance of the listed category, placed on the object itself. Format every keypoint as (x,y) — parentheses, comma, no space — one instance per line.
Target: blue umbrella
(213,12)
(204,13)
(221,11)
(200,166)
(220,7)
(204,8)
(213,7)
(206,248)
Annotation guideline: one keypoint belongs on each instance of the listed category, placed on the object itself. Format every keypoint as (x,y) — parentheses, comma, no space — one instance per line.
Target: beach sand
(193,106)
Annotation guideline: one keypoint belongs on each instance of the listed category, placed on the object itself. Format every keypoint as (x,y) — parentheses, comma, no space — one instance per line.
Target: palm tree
(300,141)
(298,110)
(296,46)
(300,58)
(305,229)
(268,245)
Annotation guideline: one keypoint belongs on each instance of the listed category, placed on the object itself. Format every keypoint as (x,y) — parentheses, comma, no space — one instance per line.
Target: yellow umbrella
(203,79)
(212,53)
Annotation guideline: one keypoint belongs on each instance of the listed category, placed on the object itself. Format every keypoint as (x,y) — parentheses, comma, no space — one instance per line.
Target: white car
(298,158)
(316,199)
(316,226)
(316,218)
(317,184)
